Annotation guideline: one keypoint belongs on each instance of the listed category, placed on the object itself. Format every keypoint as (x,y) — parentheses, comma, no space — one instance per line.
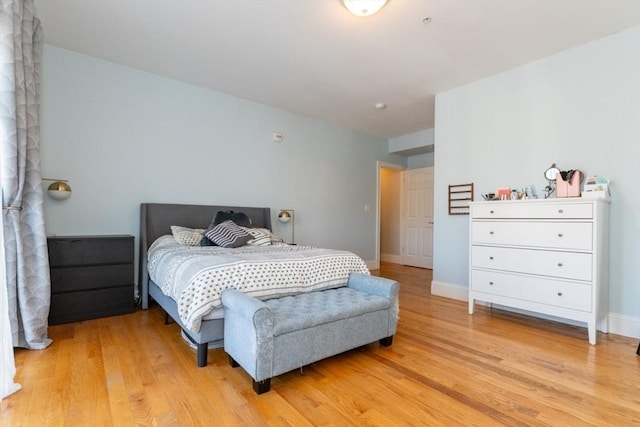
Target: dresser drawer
(555,235)
(83,305)
(523,210)
(565,265)
(556,293)
(67,279)
(90,250)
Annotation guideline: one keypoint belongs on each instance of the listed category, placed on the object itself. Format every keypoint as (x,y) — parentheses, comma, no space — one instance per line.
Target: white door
(417,218)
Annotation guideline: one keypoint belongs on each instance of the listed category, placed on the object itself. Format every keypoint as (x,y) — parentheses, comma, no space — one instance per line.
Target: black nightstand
(91,276)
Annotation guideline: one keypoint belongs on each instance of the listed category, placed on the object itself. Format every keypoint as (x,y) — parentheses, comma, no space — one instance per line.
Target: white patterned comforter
(195,276)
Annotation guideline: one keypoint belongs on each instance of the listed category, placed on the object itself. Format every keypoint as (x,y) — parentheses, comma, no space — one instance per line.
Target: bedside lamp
(284,217)
(59,189)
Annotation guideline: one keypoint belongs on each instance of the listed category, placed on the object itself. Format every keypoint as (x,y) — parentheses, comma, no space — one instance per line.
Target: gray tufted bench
(269,338)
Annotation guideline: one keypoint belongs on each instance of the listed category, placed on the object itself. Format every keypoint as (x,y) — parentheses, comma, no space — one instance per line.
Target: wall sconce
(285,216)
(364,7)
(59,189)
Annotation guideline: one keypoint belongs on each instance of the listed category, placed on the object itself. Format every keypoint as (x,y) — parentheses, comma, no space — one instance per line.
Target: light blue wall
(123,136)
(417,146)
(421,161)
(579,109)
(416,140)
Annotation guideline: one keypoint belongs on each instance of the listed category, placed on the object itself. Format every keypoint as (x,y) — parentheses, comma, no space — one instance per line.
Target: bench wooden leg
(262,386)
(167,320)
(386,341)
(258,386)
(233,363)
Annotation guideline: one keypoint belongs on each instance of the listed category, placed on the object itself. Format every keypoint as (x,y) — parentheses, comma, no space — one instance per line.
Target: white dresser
(546,256)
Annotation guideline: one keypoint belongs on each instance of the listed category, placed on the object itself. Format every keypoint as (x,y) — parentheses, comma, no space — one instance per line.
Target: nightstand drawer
(90,250)
(67,279)
(83,305)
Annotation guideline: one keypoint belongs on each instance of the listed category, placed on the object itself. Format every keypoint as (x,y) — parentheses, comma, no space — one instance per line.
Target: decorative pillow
(259,236)
(187,236)
(240,218)
(274,239)
(228,235)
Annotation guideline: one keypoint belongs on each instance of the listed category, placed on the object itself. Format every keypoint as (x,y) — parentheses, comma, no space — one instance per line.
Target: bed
(160,254)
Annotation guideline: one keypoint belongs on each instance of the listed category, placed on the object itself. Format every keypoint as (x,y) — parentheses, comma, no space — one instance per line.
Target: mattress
(196,276)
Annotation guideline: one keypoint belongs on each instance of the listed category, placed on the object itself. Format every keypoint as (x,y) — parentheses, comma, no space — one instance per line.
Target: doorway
(390,214)
(405,216)
(416,234)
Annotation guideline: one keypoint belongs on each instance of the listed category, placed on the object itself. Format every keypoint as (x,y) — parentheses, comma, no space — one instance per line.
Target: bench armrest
(248,333)
(380,286)
(241,303)
(373,285)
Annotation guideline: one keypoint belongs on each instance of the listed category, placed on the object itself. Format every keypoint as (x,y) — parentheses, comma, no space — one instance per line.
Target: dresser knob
(560,211)
(491,232)
(491,283)
(559,264)
(490,257)
(559,294)
(559,234)
(490,211)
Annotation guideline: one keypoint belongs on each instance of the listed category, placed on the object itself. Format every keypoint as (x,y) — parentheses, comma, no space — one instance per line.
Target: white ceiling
(314,58)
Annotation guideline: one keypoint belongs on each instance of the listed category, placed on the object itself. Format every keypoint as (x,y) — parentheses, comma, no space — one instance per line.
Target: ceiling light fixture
(379,106)
(364,7)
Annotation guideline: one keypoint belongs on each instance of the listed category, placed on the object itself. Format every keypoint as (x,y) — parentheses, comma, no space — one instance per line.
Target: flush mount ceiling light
(364,7)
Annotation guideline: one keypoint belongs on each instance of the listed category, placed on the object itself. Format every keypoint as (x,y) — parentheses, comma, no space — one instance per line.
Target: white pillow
(259,236)
(187,236)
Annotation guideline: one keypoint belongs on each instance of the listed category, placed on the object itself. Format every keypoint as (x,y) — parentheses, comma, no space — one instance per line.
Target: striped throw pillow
(228,234)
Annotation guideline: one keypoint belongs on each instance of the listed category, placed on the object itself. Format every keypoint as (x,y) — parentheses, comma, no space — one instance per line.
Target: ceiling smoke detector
(379,106)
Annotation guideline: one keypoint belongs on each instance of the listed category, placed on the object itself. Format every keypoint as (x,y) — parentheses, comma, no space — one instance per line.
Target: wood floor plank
(445,368)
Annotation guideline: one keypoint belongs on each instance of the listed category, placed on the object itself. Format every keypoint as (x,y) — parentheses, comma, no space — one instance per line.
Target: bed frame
(156,220)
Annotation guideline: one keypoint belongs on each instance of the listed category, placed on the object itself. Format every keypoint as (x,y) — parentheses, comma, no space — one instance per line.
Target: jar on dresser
(544,256)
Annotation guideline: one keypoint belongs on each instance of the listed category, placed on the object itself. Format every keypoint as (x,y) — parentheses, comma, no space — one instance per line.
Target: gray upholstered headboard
(156,220)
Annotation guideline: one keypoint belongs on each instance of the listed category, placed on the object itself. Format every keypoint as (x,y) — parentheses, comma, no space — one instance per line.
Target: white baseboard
(394,259)
(619,324)
(627,326)
(372,264)
(449,290)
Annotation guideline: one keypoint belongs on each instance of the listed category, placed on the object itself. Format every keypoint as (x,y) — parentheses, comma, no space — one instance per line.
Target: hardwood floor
(445,367)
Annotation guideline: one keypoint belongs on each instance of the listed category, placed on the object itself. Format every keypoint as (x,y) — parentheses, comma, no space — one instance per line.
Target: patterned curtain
(28,285)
